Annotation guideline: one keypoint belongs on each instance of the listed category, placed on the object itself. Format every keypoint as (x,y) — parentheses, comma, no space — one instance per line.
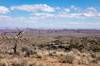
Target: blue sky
(50,14)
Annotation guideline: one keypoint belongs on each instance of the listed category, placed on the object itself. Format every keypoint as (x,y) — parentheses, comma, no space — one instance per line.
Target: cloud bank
(45,16)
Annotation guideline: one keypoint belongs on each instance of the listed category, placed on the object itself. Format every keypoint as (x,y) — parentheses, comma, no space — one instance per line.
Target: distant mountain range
(52,30)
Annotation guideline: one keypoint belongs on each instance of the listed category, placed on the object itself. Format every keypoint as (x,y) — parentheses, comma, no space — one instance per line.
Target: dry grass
(48,50)
(36,62)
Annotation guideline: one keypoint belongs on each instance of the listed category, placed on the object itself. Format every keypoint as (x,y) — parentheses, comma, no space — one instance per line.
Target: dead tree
(17,37)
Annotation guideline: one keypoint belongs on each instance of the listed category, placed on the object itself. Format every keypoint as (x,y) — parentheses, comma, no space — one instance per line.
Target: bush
(17,64)
(27,51)
(67,59)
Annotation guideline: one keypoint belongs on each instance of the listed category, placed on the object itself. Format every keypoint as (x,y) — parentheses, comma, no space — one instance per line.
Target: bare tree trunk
(18,36)
(15,47)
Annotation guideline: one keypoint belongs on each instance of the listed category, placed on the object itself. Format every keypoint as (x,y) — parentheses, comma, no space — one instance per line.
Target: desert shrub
(97,58)
(27,51)
(18,64)
(67,59)
(96,48)
(52,53)
(2,56)
(3,64)
(87,58)
(39,56)
(76,44)
(87,43)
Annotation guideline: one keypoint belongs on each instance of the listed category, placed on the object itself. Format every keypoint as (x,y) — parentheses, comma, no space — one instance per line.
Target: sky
(50,14)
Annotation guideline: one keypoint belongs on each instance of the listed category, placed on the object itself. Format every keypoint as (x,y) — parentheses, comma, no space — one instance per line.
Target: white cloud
(88,12)
(73,7)
(67,10)
(91,12)
(44,10)
(3,10)
(48,11)
(37,7)
(43,15)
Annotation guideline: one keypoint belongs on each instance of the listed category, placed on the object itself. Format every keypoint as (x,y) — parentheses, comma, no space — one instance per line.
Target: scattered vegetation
(72,50)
